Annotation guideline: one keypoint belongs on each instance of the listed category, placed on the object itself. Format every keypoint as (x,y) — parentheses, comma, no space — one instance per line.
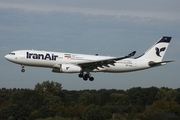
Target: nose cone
(6,56)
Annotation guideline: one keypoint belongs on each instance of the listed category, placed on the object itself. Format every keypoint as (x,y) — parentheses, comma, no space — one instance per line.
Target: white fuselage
(84,64)
(50,59)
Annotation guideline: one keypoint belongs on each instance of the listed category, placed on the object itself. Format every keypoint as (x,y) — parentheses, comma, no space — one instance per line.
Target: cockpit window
(12,53)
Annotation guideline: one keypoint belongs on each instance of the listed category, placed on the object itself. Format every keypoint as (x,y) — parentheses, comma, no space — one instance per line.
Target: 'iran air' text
(46,56)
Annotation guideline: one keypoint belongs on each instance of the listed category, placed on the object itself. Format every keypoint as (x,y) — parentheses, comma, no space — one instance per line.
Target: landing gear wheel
(91,78)
(81,75)
(87,75)
(23,70)
(85,78)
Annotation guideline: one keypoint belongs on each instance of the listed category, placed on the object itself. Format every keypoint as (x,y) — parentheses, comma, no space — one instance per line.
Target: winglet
(132,54)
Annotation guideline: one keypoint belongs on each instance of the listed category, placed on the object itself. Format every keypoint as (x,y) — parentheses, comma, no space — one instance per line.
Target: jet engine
(66,68)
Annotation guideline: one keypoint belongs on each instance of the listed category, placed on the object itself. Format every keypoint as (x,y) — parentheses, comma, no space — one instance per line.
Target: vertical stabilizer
(157,51)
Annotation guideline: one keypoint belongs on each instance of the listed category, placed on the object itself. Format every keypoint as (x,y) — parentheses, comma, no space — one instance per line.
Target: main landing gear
(22,70)
(86,76)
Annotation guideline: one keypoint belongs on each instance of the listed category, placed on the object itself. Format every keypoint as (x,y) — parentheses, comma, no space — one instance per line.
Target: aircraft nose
(10,57)
(6,56)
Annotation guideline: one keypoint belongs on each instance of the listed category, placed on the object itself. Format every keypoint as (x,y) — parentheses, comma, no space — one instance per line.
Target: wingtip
(132,54)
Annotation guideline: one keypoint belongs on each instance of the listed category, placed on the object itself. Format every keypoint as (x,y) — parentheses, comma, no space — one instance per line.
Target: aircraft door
(22,55)
(134,64)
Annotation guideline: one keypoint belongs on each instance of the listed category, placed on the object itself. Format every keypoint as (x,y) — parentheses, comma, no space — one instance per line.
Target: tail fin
(157,51)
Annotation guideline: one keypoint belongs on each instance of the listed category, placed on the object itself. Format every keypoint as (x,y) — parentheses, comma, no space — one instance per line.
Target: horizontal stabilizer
(154,64)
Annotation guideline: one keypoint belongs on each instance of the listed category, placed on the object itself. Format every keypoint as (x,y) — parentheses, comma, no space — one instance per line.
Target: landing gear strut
(86,76)
(22,70)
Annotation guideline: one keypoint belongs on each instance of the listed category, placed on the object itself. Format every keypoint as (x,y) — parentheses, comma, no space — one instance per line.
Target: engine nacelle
(66,68)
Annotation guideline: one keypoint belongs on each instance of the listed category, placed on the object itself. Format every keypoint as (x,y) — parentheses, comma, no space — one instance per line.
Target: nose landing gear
(86,76)
(22,70)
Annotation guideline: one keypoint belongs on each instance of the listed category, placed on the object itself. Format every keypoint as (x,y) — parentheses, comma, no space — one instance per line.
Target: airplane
(61,62)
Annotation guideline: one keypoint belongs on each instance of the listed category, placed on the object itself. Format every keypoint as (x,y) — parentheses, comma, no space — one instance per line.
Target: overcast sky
(106,27)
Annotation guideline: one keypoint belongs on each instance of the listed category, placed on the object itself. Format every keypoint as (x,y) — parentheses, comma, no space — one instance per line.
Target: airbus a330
(61,62)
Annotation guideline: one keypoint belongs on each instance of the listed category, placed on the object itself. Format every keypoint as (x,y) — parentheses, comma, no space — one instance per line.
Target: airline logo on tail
(158,51)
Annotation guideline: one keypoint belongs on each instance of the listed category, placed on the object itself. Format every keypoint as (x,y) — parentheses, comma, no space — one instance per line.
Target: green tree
(27,97)
(161,94)
(171,95)
(48,87)
(2,100)
(86,98)
(104,96)
(163,105)
(34,115)
(93,112)
(151,92)
(137,96)
(75,111)
(11,110)
(51,100)
(118,99)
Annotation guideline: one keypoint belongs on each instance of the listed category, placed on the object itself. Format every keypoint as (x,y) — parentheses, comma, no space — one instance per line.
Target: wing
(103,63)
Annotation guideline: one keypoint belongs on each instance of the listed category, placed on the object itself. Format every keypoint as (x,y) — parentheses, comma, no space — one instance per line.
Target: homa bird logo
(158,51)
(67,68)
